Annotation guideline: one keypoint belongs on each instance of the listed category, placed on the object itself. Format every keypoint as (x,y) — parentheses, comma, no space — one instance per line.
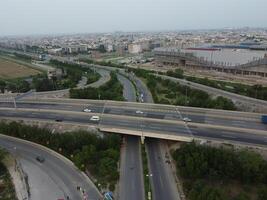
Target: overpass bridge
(146,120)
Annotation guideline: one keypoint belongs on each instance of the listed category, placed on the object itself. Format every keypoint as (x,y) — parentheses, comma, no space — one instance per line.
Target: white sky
(19,17)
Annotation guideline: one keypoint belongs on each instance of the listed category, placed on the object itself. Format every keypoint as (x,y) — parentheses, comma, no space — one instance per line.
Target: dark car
(40,159)
(58,120)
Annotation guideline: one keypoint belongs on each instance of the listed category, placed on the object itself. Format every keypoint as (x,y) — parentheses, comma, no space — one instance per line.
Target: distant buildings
(236,61)
(135,48)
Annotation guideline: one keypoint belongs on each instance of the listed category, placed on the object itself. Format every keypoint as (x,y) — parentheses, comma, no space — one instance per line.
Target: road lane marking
(229,136)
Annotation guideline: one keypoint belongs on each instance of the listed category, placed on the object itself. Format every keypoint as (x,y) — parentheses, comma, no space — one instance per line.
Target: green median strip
(147,184)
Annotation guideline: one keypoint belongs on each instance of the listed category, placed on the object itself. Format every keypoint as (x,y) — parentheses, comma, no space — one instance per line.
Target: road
(164,128)
(131,171)
(160,173)
(54,178)
(159,112)
(105,77)
(129,92)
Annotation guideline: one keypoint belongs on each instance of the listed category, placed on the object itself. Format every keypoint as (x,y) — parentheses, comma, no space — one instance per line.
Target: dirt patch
(10,70)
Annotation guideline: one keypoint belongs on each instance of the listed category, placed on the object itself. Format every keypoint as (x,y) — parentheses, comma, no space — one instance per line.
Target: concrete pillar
(142,139)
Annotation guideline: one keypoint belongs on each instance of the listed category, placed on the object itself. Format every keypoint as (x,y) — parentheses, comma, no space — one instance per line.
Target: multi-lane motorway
(160,173)
(131,185)
(163,120)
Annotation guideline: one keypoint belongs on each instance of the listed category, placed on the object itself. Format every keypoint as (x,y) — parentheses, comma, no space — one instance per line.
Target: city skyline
(61,17)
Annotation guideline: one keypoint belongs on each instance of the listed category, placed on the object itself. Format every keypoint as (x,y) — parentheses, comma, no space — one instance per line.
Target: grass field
(10,70)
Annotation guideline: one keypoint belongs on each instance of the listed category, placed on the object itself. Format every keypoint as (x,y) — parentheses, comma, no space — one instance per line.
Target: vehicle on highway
(58,120)
(40,159)
(264,119)
(87,110)
(95,118)
(108,196)
(186,119)
(139,112)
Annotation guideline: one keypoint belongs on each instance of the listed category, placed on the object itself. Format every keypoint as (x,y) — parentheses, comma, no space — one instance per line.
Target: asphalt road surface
(131,171)
(202,116)
(148,126)
(160,173)
(54,178)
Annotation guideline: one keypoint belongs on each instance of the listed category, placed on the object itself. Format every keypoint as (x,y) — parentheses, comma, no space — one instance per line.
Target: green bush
(88,151)
(112,90)
(196,162)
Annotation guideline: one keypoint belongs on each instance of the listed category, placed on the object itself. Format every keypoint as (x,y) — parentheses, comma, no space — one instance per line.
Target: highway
(162,127)
(131,171)
(160,174)
(150,111)
(55,178)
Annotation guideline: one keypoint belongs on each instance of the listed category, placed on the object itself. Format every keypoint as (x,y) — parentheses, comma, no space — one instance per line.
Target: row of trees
(103,63)
(255,91)
(204,167)
(23,57)
(99,155)
(112,90)
(17,85)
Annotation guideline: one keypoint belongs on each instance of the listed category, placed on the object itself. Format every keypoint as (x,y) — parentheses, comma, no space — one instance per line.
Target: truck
(264,119)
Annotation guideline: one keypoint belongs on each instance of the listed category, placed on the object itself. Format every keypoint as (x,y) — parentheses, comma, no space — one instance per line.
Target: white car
(139,112)
(87,110)
(186,119)
(95,118)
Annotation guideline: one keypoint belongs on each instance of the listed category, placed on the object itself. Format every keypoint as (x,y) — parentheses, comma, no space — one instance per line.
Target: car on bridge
(87,110)
(186,119)
(95,118)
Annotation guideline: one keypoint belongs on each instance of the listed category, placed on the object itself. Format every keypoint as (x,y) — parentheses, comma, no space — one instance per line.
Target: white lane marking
(239,124)
(155,127)
(229,136)
(237,121)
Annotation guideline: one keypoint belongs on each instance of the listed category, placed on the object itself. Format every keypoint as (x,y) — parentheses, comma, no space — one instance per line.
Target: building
(55,73)
(244,62)
(135,48)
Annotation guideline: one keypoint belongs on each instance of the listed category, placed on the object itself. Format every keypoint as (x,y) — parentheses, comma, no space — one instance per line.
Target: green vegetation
(99,155)
(220,173)
(177,73)
(16,85)
(7,191)
(255,91)
(112,90)
(145,171)
(71,75)
(102,63)
(23,57)
(169,92)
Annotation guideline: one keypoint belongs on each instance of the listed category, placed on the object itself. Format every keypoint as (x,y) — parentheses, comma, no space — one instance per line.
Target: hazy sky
(19,17)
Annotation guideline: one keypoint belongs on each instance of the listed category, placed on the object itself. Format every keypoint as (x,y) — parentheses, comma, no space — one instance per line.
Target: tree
(2,86)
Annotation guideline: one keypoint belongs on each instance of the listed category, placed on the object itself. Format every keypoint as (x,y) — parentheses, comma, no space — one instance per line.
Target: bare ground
(9,70)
